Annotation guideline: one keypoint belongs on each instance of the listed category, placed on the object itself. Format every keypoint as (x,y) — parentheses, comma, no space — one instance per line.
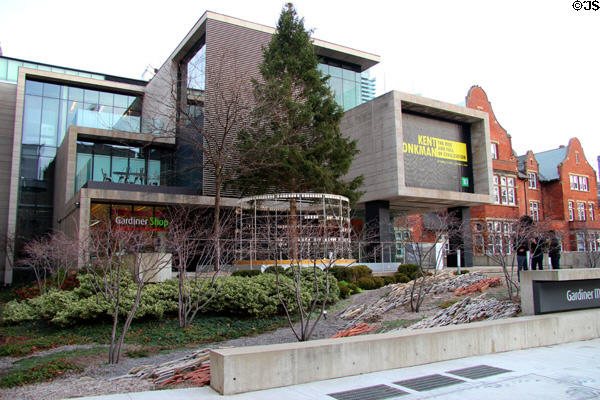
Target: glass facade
(103,162)
(344,82)
(49,109)
(196,68)
(9,70)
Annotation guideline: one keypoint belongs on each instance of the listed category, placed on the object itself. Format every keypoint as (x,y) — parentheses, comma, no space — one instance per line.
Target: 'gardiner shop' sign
(142,223)
(555,296)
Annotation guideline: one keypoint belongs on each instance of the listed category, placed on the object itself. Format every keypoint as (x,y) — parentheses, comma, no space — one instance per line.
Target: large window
(579,183)
(496,239)
(121,164)
(504,190)
(50,109)
(344,81)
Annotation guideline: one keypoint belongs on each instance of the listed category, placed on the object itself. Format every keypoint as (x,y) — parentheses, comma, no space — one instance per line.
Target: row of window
(588,241)
(581,215)
(9,70)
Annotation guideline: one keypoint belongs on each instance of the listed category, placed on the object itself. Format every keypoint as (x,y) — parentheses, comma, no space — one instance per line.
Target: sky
(538,61)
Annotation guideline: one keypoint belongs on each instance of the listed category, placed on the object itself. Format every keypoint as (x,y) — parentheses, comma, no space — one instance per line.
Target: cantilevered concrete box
(420,154)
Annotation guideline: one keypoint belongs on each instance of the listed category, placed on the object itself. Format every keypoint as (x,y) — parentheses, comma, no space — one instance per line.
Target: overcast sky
(538,61)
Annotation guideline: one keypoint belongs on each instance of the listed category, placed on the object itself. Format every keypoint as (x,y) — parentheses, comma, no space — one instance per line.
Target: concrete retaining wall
(238,370)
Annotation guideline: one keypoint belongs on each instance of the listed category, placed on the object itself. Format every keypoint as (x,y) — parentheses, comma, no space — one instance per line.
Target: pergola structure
(293,228)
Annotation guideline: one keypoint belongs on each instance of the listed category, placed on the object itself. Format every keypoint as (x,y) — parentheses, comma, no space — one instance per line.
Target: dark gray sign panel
(555,296)
(437,154)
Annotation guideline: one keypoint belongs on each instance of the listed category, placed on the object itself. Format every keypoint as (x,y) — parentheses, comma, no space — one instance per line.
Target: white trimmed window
(591,211)
(579,183)
(534,210)
(571,211)
(581,211)
(532,180)
(504,190)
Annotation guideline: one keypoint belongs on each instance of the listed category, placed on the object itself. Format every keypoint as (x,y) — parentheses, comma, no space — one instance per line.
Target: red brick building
(557,187)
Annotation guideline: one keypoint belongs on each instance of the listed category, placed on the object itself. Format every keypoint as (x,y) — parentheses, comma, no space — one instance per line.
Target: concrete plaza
(564,371)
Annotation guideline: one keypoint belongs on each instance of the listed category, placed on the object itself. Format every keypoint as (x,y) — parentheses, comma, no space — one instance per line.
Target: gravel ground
(95,380)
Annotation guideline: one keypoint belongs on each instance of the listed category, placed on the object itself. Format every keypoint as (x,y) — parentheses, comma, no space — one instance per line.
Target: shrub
(341,273)
(370,282)
(389,279)
(354,288)
(360,271)
(409,270)
(344,289)
(462,272)
(237,296)
(271,270)
(402,278)
(246,272)
(379,282)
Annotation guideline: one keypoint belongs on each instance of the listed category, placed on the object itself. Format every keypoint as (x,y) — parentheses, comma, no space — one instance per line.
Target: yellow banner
(439,148)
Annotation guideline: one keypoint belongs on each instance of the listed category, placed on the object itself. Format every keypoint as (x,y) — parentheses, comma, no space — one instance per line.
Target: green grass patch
(24,339)
(39,373)
(31,362)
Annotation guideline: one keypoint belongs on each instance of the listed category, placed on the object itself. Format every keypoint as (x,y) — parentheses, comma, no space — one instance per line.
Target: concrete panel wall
(375,127)
(238,370)
(8,95)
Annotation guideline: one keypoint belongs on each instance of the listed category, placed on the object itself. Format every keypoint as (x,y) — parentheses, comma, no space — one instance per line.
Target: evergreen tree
(294,143)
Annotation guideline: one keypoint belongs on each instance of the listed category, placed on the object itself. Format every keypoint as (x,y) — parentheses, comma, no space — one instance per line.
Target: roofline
(132,81)
(368,59)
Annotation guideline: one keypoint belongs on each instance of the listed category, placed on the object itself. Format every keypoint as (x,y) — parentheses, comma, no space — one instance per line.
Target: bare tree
(591,247)
(52,257)
(309,268)
(207,123)
(189,240)
(305,240)
(114,250)
(426,249)
(499,241)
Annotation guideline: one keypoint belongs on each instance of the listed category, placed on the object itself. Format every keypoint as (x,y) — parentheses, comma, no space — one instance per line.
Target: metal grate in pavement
(369,393)
(429,382)
(479,371)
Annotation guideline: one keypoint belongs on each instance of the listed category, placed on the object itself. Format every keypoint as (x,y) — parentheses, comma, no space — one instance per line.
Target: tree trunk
(217,224)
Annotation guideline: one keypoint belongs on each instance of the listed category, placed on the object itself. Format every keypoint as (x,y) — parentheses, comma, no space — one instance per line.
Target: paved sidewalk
(566,371)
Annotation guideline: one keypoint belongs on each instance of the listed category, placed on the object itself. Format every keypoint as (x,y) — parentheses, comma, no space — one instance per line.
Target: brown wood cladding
(241,48)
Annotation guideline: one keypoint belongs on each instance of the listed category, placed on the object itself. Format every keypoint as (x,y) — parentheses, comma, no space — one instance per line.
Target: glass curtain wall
(9,70)
(49,109)
(344,81)
(103,162)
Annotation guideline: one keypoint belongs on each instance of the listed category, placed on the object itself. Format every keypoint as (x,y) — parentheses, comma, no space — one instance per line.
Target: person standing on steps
(554,250)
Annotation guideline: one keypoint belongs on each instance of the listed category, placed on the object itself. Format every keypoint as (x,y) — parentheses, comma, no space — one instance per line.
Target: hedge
(254,296)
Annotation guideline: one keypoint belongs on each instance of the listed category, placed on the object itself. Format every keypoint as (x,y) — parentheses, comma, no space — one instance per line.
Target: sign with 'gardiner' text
(555,296)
